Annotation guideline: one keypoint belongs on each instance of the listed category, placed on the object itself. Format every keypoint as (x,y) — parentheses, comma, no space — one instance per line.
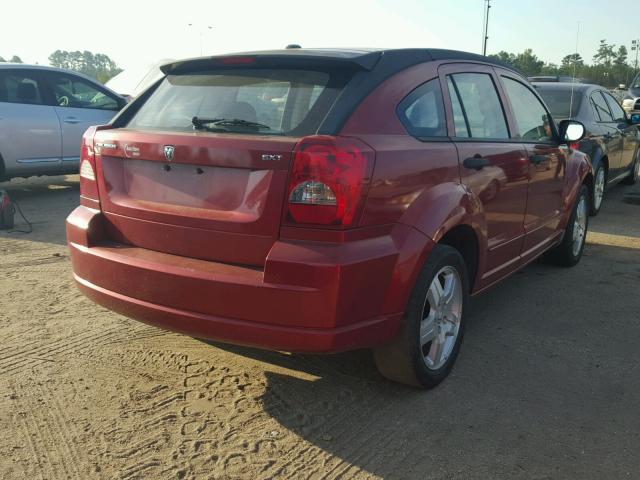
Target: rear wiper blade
(202,122)
(222,122)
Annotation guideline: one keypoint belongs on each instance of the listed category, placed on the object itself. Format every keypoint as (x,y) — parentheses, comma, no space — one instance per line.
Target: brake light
(88,183)
(329,181)
(237,60)
(86,170)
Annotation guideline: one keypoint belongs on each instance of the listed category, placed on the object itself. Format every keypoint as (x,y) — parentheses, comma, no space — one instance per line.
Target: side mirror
(571,131)
(635,119)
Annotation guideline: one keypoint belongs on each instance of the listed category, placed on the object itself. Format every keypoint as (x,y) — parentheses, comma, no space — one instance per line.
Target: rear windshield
(264,101)
(560,103)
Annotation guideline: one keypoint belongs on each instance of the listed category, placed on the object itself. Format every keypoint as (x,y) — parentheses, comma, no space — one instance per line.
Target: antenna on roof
(292,45)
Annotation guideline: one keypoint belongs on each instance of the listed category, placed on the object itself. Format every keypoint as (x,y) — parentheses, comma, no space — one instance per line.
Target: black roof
(366,68)
(566,86)
(365,59)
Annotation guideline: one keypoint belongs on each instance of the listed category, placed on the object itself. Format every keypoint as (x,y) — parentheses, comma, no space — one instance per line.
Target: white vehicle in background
(131,82)
(631,100)
(44,112)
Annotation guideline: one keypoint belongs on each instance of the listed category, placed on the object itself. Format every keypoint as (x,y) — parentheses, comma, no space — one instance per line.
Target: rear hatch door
(212,187)
(196,195)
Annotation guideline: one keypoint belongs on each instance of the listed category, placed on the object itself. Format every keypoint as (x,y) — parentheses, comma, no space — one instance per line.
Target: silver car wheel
(598,193)
(580,225)
(442,313)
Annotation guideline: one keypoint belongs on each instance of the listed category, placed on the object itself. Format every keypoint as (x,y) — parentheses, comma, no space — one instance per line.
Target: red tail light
(88,174)
(329,181)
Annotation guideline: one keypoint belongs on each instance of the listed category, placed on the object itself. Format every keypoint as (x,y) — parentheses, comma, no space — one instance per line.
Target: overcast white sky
(134,32)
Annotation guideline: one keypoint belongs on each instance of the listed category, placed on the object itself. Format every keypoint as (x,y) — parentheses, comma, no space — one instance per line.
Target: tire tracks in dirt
(49,433)
(24,356)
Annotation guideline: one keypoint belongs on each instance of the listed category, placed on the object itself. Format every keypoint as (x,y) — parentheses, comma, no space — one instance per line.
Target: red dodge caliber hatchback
(326,200)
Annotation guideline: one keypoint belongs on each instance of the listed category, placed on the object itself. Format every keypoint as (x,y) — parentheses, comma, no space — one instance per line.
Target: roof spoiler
(279,58)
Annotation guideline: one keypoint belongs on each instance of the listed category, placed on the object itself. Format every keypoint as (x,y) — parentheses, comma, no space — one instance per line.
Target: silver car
(43,113)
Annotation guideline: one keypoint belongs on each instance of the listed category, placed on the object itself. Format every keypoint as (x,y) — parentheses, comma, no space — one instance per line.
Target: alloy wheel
(441,318)
(598,193)
(580,225)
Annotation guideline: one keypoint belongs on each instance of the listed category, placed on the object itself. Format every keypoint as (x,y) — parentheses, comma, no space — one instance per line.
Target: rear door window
(265,101)
(476,95)
(422,112)
(601,108)
(20,86)
(459,121)
(616,109)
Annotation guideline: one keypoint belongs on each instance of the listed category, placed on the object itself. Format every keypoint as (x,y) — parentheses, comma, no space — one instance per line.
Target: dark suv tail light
(329,181)
(88,179)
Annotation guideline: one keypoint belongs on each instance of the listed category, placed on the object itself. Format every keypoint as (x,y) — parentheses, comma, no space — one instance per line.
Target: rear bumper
(310,296)
(241,332)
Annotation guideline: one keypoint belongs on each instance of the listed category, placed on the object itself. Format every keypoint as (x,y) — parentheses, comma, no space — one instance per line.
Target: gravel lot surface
(547,385)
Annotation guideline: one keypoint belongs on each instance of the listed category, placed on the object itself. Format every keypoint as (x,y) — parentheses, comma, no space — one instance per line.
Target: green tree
(15,59)
(506,57)
(2,60)
(621,56)
(528,63)
(605,54)
(571,60)
(550,69)
(98,66)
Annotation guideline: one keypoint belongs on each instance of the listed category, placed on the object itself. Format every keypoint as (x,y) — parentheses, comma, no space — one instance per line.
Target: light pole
(201,32)
(485,34)
(635,45)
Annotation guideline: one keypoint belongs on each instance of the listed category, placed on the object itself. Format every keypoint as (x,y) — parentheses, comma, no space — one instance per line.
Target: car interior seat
(241,111)
(27,93)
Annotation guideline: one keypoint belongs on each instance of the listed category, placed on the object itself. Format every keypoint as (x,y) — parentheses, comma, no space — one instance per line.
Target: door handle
(537,159)
(477,162)
(71,120)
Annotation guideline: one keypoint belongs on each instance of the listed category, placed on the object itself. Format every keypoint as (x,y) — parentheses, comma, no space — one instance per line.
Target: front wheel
(570,250)
(428,341)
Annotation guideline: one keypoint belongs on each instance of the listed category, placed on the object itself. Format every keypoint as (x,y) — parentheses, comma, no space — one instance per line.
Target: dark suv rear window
(560,103)
(283,101)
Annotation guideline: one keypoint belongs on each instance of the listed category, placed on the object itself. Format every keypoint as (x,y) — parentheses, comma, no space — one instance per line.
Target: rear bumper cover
(310,296)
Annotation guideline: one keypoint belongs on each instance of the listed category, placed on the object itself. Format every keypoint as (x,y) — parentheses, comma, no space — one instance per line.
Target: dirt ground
(547,385)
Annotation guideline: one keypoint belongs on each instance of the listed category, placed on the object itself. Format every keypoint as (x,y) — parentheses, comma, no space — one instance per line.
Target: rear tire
(570,250)
(428,341)
(599,187)
(635,171)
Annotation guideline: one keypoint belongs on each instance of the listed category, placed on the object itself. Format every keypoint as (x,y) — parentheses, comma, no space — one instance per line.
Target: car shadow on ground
(540,385)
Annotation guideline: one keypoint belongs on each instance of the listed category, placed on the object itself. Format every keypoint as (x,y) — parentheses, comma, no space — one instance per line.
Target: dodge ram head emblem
(168,152)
